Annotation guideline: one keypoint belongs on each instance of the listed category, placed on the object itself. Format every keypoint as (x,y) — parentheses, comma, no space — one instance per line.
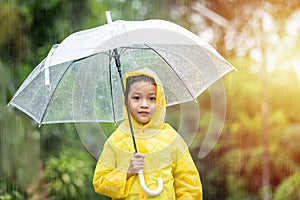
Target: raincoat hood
(158,118)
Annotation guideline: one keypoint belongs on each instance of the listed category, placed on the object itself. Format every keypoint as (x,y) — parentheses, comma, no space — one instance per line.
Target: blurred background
(257,155)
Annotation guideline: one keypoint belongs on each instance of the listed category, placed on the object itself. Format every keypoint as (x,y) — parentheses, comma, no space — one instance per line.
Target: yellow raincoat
(167,156)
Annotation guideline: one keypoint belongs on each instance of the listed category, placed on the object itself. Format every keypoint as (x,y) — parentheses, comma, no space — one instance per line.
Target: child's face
(142,101)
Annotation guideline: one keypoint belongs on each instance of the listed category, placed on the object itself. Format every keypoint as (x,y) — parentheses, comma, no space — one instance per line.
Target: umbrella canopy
(78,81)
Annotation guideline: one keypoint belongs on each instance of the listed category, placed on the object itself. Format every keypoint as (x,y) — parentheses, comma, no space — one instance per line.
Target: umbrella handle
(146,189)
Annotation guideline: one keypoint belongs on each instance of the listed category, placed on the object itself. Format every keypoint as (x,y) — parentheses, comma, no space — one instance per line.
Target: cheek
(130,106)
(153,108)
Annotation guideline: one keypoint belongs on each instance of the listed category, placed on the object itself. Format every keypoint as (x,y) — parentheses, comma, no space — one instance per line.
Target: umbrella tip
(108,17)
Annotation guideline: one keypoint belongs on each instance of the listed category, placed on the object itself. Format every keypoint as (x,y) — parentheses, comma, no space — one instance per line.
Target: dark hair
(132,79)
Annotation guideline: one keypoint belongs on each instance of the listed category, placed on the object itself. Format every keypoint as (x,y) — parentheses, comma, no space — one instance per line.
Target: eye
(136,97)
(152,98)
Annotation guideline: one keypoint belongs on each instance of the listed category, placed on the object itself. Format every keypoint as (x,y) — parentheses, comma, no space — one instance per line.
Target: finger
(138,167)
(137,162)
(138,155)
(139,158)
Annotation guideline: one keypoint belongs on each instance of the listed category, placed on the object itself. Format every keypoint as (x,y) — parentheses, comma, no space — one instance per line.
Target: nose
(144,103)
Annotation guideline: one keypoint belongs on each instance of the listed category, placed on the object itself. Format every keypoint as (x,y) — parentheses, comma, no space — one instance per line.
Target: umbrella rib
(111,93)
(131,47)
(189,91)
(53,94)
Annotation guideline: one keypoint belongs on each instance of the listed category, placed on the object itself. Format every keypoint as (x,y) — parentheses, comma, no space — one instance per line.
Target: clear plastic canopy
(84,82)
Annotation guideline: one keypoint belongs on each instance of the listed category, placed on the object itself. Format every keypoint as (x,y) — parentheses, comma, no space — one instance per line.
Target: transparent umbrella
(79,80)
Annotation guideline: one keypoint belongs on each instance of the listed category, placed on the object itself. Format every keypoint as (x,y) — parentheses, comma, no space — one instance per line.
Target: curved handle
(146,189)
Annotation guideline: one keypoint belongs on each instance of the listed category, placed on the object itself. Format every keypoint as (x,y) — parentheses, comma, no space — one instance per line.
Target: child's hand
(136,163)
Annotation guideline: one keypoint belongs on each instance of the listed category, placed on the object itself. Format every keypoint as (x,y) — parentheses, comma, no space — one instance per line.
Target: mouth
(143,113)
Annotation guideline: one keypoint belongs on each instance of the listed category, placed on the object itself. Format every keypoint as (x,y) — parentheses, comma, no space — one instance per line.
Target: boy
(162,152)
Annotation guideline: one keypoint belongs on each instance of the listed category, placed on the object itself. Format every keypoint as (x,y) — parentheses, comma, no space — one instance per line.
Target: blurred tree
(20,151)
(14,43)
(270,50)
(239,148)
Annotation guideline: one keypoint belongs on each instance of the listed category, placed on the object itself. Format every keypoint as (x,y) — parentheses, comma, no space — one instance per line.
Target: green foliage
(19,149)
(289,188)
(7,85)
(67,175)
(16,195)
(68,166)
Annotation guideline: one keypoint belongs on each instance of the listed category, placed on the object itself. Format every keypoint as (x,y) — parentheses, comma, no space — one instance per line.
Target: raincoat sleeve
(108,180)
(187,182)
